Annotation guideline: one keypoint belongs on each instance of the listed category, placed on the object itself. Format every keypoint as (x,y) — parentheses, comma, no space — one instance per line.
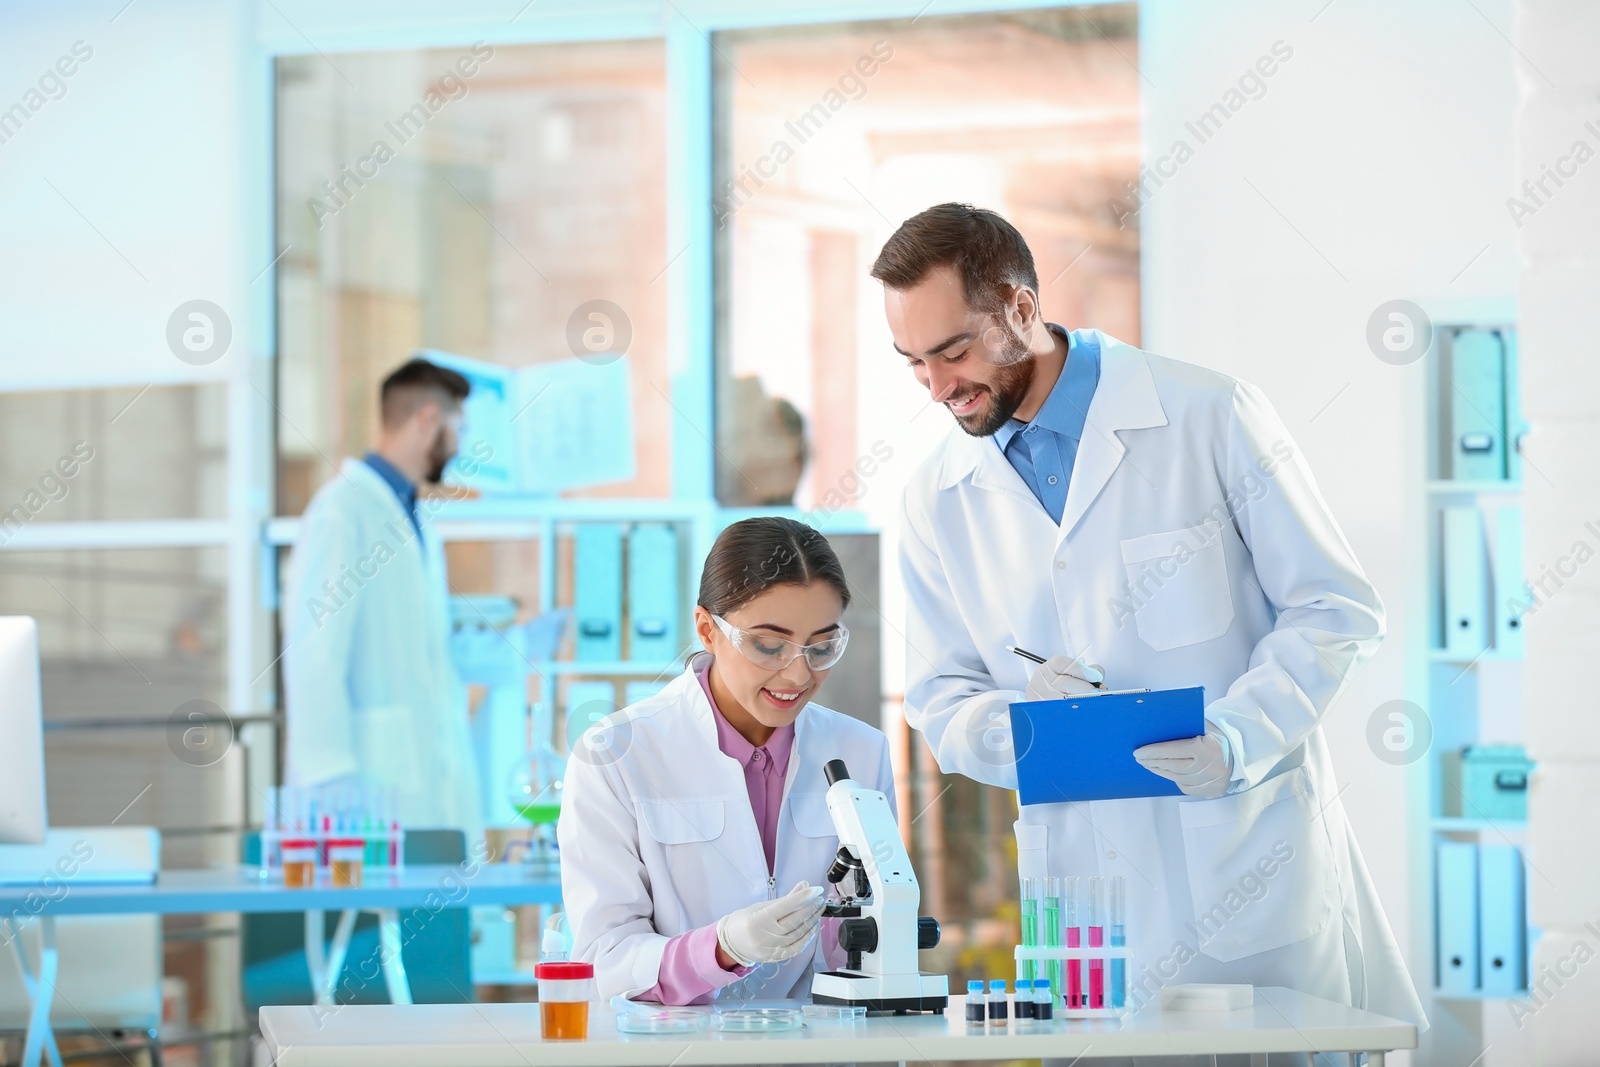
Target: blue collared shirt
(401,485)
(1043,451)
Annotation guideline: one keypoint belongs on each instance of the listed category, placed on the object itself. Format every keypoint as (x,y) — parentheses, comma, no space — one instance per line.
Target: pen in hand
(1036,658)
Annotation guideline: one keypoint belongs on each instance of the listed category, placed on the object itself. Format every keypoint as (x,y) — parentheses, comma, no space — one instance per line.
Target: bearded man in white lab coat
(1116,510)
(372,695)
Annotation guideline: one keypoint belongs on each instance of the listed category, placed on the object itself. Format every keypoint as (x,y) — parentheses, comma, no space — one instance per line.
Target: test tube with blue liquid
(1119,939)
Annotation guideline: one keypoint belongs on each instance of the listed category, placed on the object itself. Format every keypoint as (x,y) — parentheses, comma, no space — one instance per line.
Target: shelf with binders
(1474,773)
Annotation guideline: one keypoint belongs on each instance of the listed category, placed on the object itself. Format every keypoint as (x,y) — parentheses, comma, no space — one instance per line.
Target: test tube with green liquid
(1052,931)
(1030,926)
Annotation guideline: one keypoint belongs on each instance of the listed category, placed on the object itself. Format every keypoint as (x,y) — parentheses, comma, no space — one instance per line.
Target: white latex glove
(1200,765)
(1065,676)
(773,930)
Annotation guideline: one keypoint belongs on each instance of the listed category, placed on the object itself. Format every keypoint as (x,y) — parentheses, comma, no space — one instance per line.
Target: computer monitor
(22,814)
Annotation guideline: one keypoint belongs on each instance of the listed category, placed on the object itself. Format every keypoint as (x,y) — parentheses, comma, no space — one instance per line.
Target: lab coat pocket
(387,745)
(683,859)
(1178,587)
(812,851)
(809,812)
(671,821)
(1261,871)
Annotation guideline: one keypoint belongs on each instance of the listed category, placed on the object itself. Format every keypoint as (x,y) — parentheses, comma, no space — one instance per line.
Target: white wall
(1375,166)
(1559,288)
(123,198)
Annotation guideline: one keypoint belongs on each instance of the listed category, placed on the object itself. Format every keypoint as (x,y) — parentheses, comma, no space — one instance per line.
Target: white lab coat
(1194,549)
(658,837)
(371,689)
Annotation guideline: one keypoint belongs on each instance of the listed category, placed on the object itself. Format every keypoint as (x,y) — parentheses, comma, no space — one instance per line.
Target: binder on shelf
(1502,920)
(1477,407)
(1456,916)
(1466,630)
(1512,595)
(1516,425)
(597,592)
(653,607)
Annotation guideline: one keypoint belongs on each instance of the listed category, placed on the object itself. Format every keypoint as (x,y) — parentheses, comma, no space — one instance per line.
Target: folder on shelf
(1516,425)
(1466,630)
(1477,406)
(1456,916)
(1081,748)
(1503,920)
(1512,596)
(597,593)
(653,608)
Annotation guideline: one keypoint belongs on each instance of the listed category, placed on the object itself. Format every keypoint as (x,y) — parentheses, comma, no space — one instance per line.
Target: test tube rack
(339,813)
(1105,954)
(385,849)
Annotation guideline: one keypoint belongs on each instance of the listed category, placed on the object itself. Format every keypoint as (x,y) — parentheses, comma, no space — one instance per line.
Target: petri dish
(662,1021)
(759,1020)
(642,1017)
(834,1013)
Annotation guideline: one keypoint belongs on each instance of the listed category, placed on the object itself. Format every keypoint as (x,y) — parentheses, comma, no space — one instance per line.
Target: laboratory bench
(507,1035)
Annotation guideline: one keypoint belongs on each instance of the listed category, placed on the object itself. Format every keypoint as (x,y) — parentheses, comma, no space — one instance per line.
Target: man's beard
(1013,378)
(439,457)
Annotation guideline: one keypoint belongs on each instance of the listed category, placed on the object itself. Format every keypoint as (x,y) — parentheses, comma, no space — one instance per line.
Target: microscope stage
(896,994)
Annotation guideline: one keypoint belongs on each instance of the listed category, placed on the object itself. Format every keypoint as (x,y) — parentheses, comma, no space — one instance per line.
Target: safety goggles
(775,653)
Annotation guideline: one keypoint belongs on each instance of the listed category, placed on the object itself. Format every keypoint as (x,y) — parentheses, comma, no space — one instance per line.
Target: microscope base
(882,995)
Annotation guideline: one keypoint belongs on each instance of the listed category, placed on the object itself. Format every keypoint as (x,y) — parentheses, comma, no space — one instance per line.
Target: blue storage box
(1494,781)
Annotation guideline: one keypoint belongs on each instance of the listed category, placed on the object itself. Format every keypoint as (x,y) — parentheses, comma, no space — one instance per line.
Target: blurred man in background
(373,697)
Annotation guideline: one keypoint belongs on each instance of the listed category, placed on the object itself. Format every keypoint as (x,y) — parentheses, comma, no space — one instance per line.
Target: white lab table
(246,890)
(507,1035)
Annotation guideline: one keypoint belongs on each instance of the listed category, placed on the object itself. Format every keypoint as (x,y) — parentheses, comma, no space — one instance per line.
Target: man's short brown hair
(985,249)
(415,383)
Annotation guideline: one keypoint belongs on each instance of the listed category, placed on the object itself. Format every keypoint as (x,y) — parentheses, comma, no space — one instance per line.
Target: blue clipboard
(1081,748)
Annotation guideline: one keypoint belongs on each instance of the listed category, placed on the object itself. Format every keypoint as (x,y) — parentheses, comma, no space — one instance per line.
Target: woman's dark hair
(753,555)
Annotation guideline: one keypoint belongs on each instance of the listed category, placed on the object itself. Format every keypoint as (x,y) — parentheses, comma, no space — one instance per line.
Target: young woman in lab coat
(688,816)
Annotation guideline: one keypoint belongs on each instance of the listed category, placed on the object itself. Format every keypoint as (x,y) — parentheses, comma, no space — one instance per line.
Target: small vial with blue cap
(975,1005)
(1043,1001)
(997,1002)
(1025,1007)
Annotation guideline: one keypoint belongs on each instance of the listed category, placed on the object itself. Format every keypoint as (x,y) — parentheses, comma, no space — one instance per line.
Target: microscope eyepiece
(836,771)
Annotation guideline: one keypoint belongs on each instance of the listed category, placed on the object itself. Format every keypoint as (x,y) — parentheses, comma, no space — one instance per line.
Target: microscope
(881,930)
